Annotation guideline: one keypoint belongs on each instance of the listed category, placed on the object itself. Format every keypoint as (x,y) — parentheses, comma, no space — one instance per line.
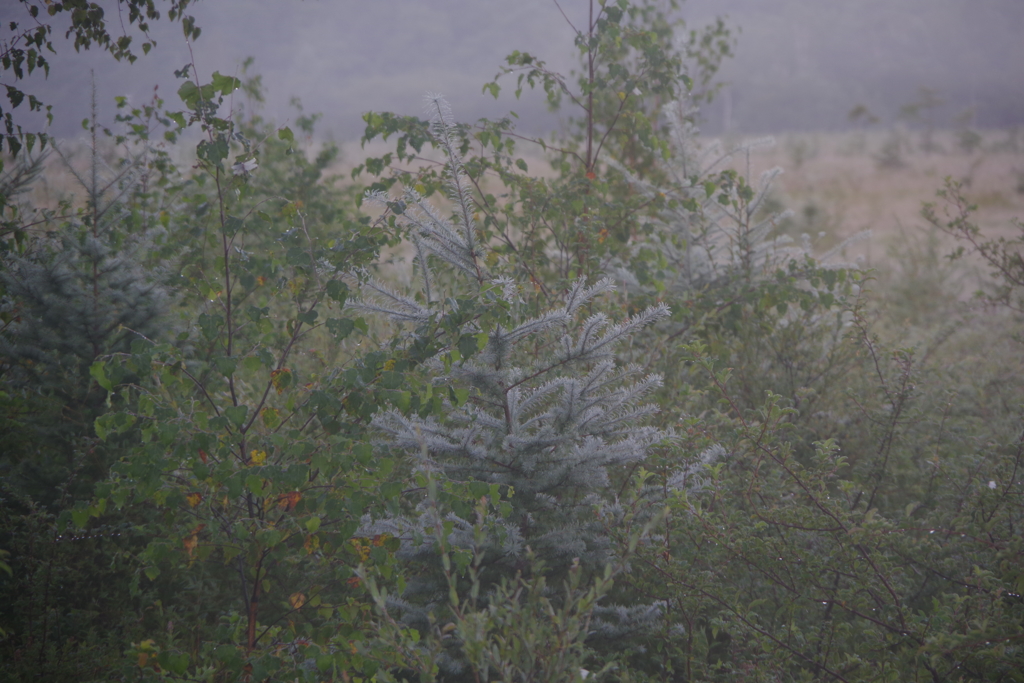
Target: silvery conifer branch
(711,242)
(443,124)
(385,300)
(551,414)
(438,236)
(432,233)
(588,346)
(714,242)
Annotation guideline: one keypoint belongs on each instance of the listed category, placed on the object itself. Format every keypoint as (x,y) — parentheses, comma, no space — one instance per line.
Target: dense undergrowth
(459,420)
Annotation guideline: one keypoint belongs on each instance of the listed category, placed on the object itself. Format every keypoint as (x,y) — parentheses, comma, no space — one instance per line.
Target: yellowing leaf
(271,417)
(311,544)
(194,499)
(257,458)
(361,547)
(281,379)
(296,600)
(288,501)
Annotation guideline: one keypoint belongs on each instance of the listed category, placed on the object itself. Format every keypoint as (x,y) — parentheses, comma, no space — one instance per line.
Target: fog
(799,64)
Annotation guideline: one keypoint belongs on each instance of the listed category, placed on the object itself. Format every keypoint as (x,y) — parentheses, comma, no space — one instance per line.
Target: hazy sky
(800,64)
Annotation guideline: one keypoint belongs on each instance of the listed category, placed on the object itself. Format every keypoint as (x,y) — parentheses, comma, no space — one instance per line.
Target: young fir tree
(710,225)
(538,405)
(770,309)
(76,292)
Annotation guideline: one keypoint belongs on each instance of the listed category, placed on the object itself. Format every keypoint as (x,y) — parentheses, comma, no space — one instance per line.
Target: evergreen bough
(72,294)
(540,406)
(710,226)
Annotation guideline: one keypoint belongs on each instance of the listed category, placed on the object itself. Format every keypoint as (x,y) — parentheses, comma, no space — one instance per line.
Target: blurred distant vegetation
(800,65)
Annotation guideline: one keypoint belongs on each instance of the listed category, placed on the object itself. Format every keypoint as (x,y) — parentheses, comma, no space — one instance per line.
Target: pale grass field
(838,186)
(841,175)
(918,299)
(833,183)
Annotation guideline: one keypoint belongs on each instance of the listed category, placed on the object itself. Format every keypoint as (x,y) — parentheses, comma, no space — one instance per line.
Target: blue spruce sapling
(540,406)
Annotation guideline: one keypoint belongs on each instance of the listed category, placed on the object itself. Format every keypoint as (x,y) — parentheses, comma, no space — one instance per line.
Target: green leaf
(232,224)
(213,151)
(211,325)
(98,372)
(254,484)
(225,365)
(271,417)
(392,380)
(269,537)
(340,327)
(175,662)
(391,489)
(337,290)
(100,426)
(236,414)
(228,654)
(312,524)
(402,399)
(225,85)
(235,484)
(286,134)
(189,94)
(80,516)
(363,452)
(468,345)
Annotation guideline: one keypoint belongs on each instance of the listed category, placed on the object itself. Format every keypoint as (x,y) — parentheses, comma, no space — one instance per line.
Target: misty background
(800,65)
